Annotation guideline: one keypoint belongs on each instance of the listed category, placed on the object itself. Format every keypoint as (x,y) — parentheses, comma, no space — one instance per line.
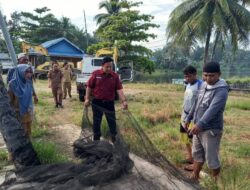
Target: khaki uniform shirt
(66,75)
(55,77)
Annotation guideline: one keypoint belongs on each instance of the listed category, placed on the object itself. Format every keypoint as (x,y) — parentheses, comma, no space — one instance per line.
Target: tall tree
(198,20)
(127,29)
(41,26)
(14,25)
(112,7)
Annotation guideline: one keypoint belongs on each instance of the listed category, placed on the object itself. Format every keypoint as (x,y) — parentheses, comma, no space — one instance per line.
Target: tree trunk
(215,44)
(207,45)
(13,133)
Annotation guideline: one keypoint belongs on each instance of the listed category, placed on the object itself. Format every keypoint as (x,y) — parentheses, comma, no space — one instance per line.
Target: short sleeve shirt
(104,85)
(55,77)
(66,75)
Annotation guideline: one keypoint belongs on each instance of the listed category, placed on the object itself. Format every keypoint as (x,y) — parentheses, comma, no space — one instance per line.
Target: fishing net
(102,165)
(140,144)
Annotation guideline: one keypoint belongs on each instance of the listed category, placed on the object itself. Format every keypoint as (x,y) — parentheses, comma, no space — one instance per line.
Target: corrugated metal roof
(66,55)
(50,43)
(4,56)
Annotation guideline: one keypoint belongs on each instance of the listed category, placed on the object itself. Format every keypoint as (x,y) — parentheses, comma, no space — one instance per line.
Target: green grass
(38,132)
(3,158)
(48,153)
(234,80)
(44,109)
(76,111)
(234,177)
(240,150)
(164,133)
(239,104)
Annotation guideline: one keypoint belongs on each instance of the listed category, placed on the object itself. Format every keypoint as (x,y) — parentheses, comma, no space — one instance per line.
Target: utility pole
(86,31)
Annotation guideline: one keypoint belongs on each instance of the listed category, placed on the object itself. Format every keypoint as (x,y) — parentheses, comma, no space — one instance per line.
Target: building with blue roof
(63,49)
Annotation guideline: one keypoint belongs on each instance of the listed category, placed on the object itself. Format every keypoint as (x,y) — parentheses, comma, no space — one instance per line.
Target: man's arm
(190,115)
(87,97)
(90,86)
(49,79)
(34,94)
(62,76)
(123,99)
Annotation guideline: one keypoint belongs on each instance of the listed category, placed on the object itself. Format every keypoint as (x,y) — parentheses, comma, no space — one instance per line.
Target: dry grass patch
(160,115)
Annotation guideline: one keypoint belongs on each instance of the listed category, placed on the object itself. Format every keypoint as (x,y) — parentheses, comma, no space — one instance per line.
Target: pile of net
(101,162)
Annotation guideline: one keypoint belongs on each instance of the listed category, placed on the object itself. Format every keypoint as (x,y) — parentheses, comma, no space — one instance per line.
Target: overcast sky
(73,9)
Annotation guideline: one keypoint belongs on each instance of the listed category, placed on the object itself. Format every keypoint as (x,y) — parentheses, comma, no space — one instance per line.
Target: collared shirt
(66,75)
(104,85)
(56,77)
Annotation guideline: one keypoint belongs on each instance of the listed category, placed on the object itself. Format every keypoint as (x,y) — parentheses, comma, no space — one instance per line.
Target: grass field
(157,108)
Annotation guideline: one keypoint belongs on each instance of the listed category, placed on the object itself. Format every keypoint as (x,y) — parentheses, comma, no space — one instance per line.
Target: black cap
(211,67)
(106,59)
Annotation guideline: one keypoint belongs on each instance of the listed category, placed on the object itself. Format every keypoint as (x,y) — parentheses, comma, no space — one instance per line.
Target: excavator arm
(113,52)
(31,48)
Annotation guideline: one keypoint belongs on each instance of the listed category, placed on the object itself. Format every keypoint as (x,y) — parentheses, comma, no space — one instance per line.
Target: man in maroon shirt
(103,84)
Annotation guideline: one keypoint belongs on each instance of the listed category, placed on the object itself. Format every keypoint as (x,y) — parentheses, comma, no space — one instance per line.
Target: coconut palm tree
(112,7)
(199,20)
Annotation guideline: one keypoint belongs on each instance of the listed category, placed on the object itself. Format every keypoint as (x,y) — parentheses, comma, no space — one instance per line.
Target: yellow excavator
(123,68)
(108,52)
(29,48)
(39,59)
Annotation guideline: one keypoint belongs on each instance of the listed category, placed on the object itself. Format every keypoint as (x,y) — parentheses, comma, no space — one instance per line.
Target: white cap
(20,55)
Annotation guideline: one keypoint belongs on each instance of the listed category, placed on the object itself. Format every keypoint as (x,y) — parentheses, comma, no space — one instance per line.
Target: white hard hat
(20,55)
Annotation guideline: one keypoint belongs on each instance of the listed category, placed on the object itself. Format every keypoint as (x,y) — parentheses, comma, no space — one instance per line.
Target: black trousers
(99,107)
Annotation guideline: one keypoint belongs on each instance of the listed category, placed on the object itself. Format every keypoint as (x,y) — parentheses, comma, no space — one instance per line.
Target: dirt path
(62,132)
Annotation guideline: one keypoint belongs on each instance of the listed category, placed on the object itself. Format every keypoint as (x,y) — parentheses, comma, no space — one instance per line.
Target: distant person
(22,58)
(20,90)
(208,120)
(104,83)
(67,76)
(55,78)
(191,92)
